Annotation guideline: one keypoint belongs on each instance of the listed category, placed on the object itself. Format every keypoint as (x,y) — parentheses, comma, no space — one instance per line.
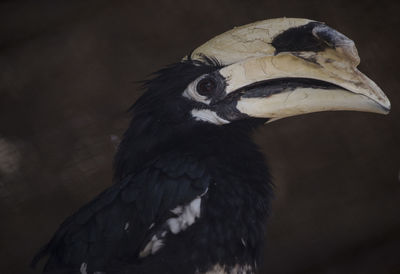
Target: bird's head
(247,76)
(269,69)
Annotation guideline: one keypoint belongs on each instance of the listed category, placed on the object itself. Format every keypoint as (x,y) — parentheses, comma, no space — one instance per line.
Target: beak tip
(386,110)
(380,108)
(386,107)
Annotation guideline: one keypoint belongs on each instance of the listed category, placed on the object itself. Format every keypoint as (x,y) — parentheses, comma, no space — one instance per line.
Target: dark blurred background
(67,77)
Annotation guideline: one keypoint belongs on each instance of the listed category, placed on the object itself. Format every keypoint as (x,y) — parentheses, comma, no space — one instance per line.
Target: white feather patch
(237,269)
(83,268)
(186,216)
(152,247)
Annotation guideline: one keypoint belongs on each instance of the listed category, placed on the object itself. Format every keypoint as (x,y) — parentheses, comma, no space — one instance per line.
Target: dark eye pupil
(206,86)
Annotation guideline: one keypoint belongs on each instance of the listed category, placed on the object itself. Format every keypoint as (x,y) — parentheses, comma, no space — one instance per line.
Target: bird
(191,190)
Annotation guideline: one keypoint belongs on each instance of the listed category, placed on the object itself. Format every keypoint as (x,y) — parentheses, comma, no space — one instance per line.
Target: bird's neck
(148,137)
(238,203)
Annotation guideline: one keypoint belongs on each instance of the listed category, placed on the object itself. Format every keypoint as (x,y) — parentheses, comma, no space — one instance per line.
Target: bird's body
(195,201)
(192,191)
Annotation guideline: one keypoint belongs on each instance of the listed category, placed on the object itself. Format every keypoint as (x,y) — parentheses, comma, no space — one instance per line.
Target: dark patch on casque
(270,87)
(299,39)
(310,59)
(329,60)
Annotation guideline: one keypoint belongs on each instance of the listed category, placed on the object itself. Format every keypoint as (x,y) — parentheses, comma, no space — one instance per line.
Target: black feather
(165,160)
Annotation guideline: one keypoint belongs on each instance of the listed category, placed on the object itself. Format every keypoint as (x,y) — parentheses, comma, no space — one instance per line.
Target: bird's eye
(206,86)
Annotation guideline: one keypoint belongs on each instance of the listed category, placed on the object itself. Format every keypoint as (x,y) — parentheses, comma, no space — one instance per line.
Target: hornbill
(192,191)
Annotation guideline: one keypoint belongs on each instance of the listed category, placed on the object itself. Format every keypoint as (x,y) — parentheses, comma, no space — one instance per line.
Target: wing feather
(117,223)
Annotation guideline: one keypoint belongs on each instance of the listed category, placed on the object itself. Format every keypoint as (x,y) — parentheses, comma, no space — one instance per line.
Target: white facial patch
(207,115)
(191,92)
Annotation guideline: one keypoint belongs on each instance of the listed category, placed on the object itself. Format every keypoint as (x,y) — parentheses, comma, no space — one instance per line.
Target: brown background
(67,72)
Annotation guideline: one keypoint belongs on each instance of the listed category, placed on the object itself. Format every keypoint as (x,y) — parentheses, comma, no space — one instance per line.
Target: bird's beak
(285,67)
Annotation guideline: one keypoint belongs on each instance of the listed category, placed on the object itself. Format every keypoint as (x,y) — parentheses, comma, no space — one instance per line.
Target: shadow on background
(67,77)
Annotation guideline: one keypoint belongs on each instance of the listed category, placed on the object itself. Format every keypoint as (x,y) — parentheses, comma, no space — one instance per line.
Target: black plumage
(167,159)
(192,190)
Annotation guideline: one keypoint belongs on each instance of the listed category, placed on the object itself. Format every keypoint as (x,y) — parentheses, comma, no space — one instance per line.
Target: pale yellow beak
(315,66)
